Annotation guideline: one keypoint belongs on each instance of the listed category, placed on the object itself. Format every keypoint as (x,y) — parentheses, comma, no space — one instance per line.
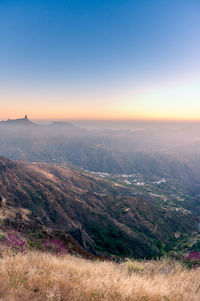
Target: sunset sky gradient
(117,59)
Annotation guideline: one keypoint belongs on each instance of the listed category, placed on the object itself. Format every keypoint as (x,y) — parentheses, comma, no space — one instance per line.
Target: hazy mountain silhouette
(15,122)
(61,124)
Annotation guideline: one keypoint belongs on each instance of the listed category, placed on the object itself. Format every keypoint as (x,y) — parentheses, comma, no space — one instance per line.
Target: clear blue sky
(117,58)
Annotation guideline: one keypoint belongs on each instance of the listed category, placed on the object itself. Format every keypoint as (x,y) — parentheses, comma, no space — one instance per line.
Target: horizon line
(107,119)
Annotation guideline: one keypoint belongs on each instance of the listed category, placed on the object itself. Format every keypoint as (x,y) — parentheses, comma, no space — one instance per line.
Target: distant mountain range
(153,154)
(26,122)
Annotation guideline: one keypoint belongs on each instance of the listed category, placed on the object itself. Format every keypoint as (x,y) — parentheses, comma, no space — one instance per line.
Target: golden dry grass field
(42,276)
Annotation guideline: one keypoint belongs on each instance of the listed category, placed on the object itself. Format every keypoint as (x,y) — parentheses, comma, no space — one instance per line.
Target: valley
(168,192)
(104,214)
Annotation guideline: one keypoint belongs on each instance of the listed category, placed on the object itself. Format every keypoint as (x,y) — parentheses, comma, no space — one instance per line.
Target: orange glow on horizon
(100,117)
(177,102)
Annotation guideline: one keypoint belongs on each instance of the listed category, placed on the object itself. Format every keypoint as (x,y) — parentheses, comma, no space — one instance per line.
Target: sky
(100,59)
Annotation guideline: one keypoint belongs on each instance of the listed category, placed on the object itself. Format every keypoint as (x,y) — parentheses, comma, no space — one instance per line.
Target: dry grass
(39,276)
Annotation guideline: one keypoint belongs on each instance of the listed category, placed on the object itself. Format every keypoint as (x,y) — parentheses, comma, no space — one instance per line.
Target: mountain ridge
(20,121)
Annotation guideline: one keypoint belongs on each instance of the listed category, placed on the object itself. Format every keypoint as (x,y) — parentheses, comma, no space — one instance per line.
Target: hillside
(104,217)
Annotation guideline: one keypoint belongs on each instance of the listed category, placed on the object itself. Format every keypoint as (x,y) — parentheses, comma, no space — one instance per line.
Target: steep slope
(99,215)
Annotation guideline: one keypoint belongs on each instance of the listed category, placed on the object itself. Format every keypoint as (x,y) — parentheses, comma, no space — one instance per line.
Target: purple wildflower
(15,242)
(54,246)
(193,256)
